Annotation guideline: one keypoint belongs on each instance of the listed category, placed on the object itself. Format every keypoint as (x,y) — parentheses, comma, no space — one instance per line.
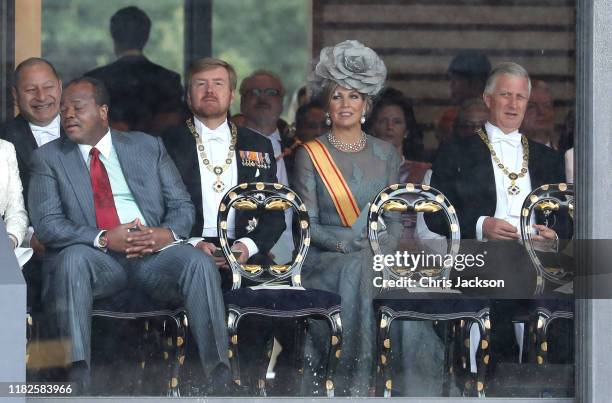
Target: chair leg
(232,329)
(383,353)
(483,354)
(29,325)
(179,355)
(142,358)
(376,382)
(334,352)
(449,336)
(301,330)
(175,342)
(541,339)
(261,369)
(464,373)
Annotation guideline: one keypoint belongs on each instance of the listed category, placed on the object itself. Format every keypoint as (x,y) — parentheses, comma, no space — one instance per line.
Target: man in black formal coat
(36,90)
(144,96)
(487,192)
(208,176)
(211,89)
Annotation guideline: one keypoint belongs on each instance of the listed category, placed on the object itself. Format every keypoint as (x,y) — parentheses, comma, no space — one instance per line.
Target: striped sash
(338,189)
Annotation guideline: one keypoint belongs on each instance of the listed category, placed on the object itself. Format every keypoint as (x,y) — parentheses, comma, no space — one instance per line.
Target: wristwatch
(102,240)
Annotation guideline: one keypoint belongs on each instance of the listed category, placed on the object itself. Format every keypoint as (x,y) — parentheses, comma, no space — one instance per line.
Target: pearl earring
(362,120)
(328,121)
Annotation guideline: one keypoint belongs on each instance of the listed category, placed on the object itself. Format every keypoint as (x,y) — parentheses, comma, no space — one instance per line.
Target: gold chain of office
(218,170)
(513,189)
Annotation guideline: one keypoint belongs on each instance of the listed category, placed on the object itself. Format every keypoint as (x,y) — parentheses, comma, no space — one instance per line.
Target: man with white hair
(487,177)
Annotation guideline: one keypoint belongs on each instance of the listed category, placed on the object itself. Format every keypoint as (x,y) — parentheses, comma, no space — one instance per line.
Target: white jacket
(12,208)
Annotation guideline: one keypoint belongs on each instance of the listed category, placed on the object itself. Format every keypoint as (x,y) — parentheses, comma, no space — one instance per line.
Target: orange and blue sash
(338,189)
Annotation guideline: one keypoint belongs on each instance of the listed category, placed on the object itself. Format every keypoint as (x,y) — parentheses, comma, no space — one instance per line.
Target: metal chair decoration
(546,199)
(290,302)
(392,304)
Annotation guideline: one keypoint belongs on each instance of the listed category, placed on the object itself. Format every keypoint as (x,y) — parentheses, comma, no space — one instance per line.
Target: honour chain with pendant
(218,170)
(513,189)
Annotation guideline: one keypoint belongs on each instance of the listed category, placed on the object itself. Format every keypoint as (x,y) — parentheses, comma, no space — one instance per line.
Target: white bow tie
(214,136)
(512,139)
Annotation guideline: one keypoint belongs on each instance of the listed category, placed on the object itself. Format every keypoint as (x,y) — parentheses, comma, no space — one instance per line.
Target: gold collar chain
(218,170)
(513,189)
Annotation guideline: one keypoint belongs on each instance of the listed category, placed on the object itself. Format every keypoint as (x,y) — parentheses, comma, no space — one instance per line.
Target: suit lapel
(78,175)
(480,176)
(26,143)
(191,166)
(535,163)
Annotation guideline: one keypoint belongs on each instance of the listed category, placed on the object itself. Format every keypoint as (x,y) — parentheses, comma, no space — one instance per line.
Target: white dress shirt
(284,245)
(45,134)
(510,152)
(216,143)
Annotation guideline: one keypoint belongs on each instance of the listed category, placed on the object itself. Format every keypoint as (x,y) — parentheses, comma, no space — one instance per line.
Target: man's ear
(487,99)
(14,93)
(188,98)
(104,112)
(232,96)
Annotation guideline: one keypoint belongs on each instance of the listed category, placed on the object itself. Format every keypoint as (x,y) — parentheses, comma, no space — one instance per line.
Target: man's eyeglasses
(257,92)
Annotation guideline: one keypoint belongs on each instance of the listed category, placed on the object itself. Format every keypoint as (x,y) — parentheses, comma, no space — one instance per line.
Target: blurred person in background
(539,122)
(393,120)
(467,74)
(144,96)
(472,115)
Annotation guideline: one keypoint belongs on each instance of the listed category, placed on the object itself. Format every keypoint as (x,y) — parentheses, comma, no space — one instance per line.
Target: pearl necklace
(347,147)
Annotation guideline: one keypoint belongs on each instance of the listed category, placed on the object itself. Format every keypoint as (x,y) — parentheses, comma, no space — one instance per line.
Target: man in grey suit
(112,210)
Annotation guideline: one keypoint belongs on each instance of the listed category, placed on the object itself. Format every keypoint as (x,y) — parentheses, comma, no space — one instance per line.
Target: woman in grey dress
(340,259)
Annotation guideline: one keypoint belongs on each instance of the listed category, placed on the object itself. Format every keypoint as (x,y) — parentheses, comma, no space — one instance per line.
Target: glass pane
(414,339)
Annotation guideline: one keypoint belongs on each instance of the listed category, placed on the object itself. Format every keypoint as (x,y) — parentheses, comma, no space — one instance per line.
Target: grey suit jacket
(61,199)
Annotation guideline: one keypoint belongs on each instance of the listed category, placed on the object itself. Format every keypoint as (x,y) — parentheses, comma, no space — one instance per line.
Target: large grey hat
(352,65)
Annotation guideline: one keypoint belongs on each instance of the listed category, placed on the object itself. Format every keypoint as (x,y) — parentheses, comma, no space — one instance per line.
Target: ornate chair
(270,300)
(416,303)
(137,306)
(548,304)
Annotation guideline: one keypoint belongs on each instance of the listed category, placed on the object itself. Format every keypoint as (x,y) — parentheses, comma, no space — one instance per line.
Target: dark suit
(18,132)
(182,148)
(464,173)
(140,91)
(63,215)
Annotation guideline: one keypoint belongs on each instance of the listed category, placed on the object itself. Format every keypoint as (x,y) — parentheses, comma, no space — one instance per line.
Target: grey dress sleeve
(305,185)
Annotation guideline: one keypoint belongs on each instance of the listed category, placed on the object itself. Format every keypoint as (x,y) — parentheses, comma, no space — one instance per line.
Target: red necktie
(106,213)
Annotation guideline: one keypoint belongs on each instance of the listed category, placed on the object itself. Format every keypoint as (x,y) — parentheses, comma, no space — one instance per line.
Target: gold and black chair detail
(170,326)
(269,299)
(552,274)
(416,303)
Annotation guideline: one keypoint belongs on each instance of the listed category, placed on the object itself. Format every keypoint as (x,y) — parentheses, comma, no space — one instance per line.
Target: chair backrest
(546,199)
(409,197)
(264,196)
